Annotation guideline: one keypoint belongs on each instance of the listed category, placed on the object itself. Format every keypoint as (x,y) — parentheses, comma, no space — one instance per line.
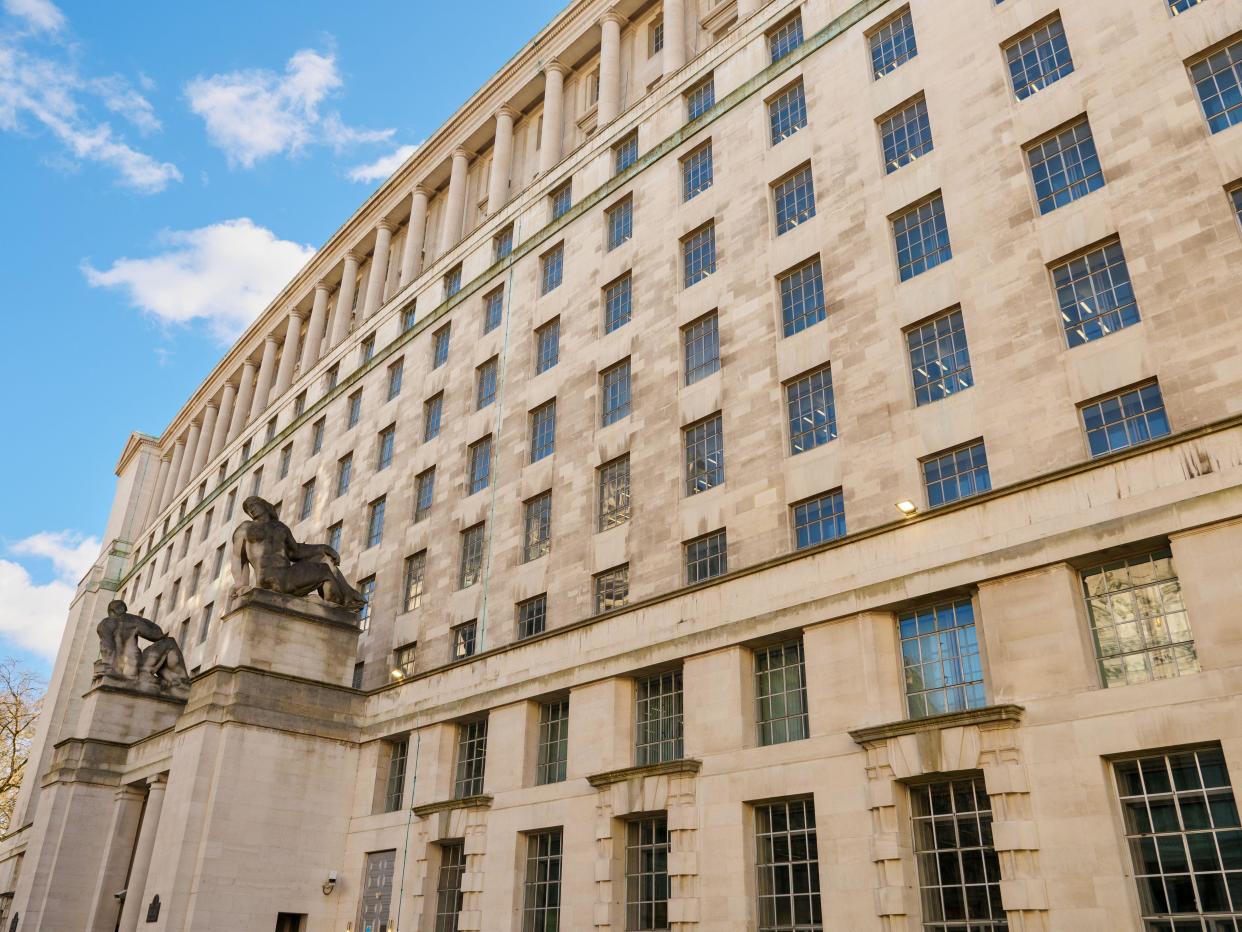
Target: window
(387,440)
(1235,198)
(612,588)
(414,581)
(1065,167)
(615,396)
(355,409)
(787,112)
(440,346)
(532,616)
(658,719)
(704,446)
(471,556)
(1216,78)
(502,243)
(395,373)
(480,465)
(618,307)
(939,358)
(538,534)
(619,223)
(407,319)
(553,742)
(432,409)
(702,344)
(245,455)
(655,36)
(448,885)
(330,379)
(614,493)
(218,566)
(376,893)
(959,874)
(471,755)
(543,431)
(1181,6)
(698,254)
(541,892)
(625,153)
(552,269)
(956,474)
(394,788)
(256,482)
(802,297)
(299,405)
(367,588)
(906,135)
(1181,826)
(812,411)
(1095,294)
(706,557)
(195,576)
(547,345)
(892,45)
(940,656)
(359,671)
(334,536)
(1038,58)
(452,281)
(424,493)
(780,693)
(819,519)
(308,500)
(1138,620)
(205,625)
(207,518)
(317,435)
(787,864)
(366,350)
(375,522)
(561,200)
(646,874)
(696,172)
(922,238)
(1125,419)
(493,310)
(270,433)
(794,198)
(465,640)
(344,469)
(485,383)
(785,38)
(404,659)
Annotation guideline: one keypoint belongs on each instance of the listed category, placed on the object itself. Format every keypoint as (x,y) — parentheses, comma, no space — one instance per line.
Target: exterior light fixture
(329,885)
(397,674)
(908,508)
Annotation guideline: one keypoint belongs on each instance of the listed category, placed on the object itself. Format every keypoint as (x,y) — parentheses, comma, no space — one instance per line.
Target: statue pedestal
(118,714)
(290,635)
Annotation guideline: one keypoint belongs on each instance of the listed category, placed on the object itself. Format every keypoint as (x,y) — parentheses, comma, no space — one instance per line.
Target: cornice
(988,715)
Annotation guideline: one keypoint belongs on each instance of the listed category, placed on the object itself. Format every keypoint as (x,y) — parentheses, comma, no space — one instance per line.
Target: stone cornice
(686,766)
(988,715)
(482,801)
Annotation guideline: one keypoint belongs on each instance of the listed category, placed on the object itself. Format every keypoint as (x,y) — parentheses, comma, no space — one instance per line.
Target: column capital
(464,153)
(425,190)
(129,793)
(212,404)
(556,65)
(298,312)
(508,110)
(323,286)
(160,780)
(613,16)
(272,338)
(355,256)
(385,224)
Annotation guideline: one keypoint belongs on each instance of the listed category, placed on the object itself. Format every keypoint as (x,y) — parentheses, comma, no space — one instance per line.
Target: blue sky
(166,168)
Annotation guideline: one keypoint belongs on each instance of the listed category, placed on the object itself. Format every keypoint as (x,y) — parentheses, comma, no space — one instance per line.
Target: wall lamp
(908,508)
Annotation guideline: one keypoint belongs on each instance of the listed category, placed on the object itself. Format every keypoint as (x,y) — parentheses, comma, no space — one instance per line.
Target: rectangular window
(433,407)
(1217,78)
(1138,620)
(612,588)
(344,470)
(543,431)
(794,200)
(205,625)
(207,518)
(286,458)
(812,411)
(407,319)
(706,557)
(218,567)
(696,172)
(780,693)
(698,254)
(480,465)
(625,153)
(395,373)
(471,756)
(658,719)
(552,269)
(819,519)
(1065,166)
(387,441)
(787,112)
(701,340)
(785,38)
(553,742)
(614,493)
(394,789)
(355,409)
(1095,294)
(367,588)
(448,885)
(377,891)
(655,36)
(1038,58)
(424,493)
(452,281)
(532,616)
(465,640)
(940,656)
(646,875)
(195,576)
(615,394)
(414,581)
(1235,198)
(440,346)
(375,522)
(906,135)
(471,556)
(1125,419)
(619,223)
(299,405)
(485,384)
(956,474)
(939,357)
(317,433)
(359,673)
(334,536)
(541,892)
(704,446)
(366,350)
(700,98)
(618,305)
(787,867)
(270,433)
(502,243)
(548,345)
(404,659)
(1181,6)
(802,297)
(892,45)
(538,527)
(561,200)
(245,455)
(331,378)
(959,874)
(493,310)
(308,500)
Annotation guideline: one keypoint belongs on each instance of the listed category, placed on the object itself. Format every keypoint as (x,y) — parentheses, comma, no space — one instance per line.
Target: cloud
(382,167)
(32,615)
(120,97)
(224,274)
(39,14)
(255,114)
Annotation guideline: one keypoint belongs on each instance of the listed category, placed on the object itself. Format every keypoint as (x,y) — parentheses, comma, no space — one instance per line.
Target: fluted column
(345,299)
(187,461)
(553,113)
(225,418)
(502,160)
(157,493)
(314,330)
(379,268)
(245,392)
(135,890)
(674,55)
(263,384)
(174,470)
(415,235)
(204,438)
(455,206)
(609,67)
(289,353)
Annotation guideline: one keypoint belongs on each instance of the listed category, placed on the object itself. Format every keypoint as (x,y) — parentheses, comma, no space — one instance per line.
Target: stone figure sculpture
(158,668)
(265,556)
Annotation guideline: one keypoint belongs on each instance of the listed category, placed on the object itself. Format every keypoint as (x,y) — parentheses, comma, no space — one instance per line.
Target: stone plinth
(112,713)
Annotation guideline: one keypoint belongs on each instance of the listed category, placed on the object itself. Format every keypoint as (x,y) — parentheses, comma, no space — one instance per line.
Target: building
(793,453)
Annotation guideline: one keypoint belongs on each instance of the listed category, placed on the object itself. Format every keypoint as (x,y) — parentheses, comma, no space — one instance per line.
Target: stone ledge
(482,801)
(139,693)
(988,715)
(609,777)
(297,607)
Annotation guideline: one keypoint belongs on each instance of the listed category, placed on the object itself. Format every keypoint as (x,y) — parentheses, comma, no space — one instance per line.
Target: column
(174,470)
(263,384)
(455,206)
(187,461)
(415,236)
(115,860)
(746,7)
(553,111)
(345,299)
(610,67)
(315,329)
(223,421)
(289,353)
(204,438)
(157,496)
(245,392)
(502,160)
(141,864)
(379,268)
(674,56)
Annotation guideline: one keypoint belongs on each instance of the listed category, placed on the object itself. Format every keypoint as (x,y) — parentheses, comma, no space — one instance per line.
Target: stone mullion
(888,851)
(474,846)
(683,859)
(605,848)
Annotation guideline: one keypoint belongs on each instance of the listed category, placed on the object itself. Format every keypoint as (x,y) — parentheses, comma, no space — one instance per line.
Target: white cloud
(382,167)
(32,615)
(256,113)
(120,97)
(224,274)
(39,14)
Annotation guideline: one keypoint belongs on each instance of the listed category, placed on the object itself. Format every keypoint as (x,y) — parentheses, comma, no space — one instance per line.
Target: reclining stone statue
(158,668)
(265,556)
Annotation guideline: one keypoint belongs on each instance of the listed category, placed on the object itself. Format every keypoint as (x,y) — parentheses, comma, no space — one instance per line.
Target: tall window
(299,405)
(819,519)
(335,533)
(1095,294)
(959,874)
(785,38)
(433,408)
(787,112)
(375,522)
(906,135)
(538,534)
(618,303)
(387,441)
(366,350)
(561,200)
(615,393)
(701,340)
(424,493)
(308,500)
(394,789)
(532,616)
(922,238)
(205,624)
(892,45)
(811,410)
(344,470)
(286,458)
(502,244)
(552,268)
(646,874)
(1181,825)
(1065,166)
(614,493)
(1235,198)
(452,281)
(794,200)
(548,345)
(625,153)
(1038,58)
(696,172)
(1125,419)
(317,433)
(706,557)
(448,885)
(471,556)
(787,865)
(440,346)
(780,693)
(1217,78)
(355,409)
(1138,620)
(655,36)
(612,588)
(658,719)
(940,655)
(541,892)
(405,659)
(367,588)
(218,566)
(377,889)
(464,640)
(619,223)
(698,254)
(331,378)
(471,756)
(493,310)
(485,383)
(414,581)
(408,316)
(956,474)
(701,98)
(480,466)
(543,431)
(704,445)
(553,741)
(939,358)
(395,374)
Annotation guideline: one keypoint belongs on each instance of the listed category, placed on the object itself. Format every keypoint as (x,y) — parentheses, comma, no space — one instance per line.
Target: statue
(265,545)
(158,668)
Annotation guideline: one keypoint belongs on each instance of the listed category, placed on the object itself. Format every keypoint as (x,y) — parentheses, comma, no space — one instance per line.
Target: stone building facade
(793,455)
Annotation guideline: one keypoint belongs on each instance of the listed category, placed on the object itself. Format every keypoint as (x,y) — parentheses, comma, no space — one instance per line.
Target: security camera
(330,884)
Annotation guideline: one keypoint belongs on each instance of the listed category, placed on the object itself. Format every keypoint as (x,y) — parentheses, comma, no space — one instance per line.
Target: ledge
(296,607)
(135,692)
(469,802)
(609,777)
(988,715)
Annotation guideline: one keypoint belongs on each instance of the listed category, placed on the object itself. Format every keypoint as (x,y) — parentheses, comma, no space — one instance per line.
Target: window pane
(922,238)
(794,199)
(706,557)
(1125,419)
(785,38)
(812,411)
(541,894)
(940,657)
(1218,82)
(787,113)
(780,693)
(658,719)
(892,45)
(702,343)
(696,172)
(614,493)
(957,473)
(698,252)
(471,754)
(1095,294)
(618,304)
(906,135)
(819,519)
(704,444)
(1038,58)
(553,741)
(1065,167)
(787,867)
(939,358)
(646,875)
